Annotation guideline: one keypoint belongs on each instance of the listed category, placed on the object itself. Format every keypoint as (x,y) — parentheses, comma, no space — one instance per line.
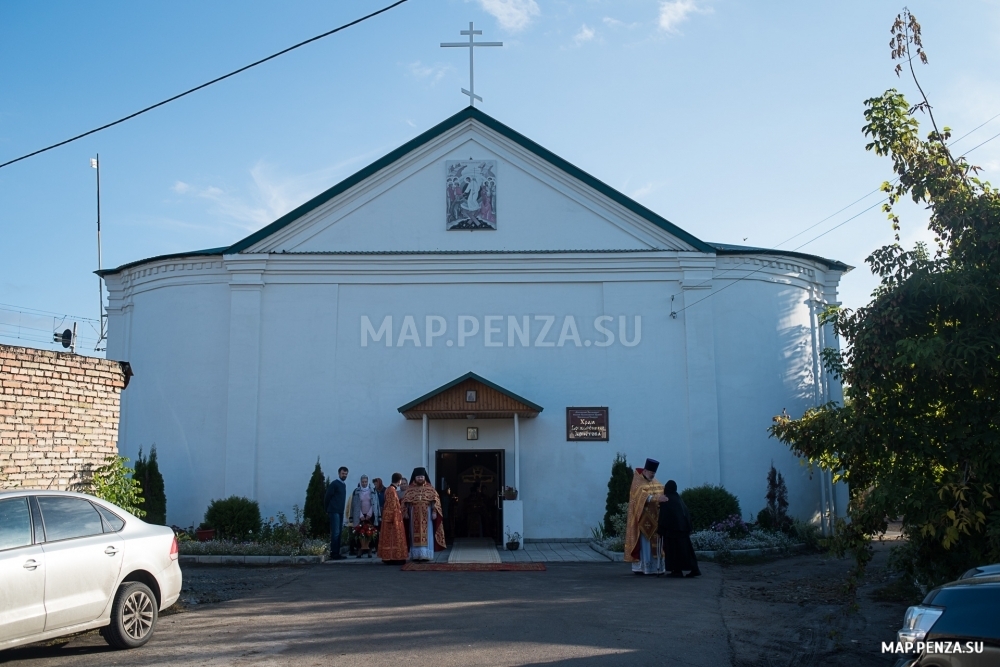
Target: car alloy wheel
(137,615)
(133,616)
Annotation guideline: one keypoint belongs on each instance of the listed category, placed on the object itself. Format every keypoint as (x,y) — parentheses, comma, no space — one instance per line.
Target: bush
(234,518)
(147,473)
(114,482)
(314,511)
(709,505)
(806,533)
(280,530)
(618,491)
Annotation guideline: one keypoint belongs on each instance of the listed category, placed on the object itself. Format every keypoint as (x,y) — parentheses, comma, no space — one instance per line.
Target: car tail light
(917,623)
(173,548)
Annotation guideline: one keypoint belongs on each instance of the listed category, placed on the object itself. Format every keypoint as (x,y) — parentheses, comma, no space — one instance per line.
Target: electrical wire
(206,85)
(674,313)
(24,310)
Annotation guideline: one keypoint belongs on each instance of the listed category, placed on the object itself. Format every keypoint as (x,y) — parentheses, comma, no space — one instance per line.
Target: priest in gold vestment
(643,546)
(423,517)
(392,536)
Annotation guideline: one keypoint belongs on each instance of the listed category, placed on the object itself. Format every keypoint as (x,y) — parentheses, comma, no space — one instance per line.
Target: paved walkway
(553,552)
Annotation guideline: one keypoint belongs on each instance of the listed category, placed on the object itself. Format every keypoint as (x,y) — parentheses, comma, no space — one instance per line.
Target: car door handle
(111,551)
(31,564)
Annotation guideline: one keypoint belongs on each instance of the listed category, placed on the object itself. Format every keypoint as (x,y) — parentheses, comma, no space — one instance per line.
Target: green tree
(114,483)
(618,491)
(314,510)
(919,435)
(147,472)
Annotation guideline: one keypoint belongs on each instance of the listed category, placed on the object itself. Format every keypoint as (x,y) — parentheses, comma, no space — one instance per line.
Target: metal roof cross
(471,32)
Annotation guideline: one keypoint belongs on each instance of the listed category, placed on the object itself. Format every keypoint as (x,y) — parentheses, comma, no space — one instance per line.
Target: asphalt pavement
(572,614)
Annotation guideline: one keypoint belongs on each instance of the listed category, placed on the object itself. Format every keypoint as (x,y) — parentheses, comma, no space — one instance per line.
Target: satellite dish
(66,338)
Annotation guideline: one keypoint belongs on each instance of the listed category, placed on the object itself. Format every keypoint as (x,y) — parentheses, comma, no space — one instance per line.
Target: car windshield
(15,523)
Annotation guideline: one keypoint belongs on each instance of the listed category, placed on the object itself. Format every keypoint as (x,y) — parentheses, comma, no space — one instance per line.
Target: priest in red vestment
(423,517)
(392,538)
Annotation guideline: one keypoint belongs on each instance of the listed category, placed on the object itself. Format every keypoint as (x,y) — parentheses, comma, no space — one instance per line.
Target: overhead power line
(206,84)
(24,310)
(837,226)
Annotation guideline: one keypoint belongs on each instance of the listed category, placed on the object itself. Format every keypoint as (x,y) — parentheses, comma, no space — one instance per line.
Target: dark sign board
(587,424)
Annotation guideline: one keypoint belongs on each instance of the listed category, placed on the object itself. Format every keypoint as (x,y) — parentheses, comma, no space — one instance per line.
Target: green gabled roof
(470,376)
(469,113)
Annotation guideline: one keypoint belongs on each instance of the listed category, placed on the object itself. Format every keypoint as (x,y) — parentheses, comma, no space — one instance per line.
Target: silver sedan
(70,562)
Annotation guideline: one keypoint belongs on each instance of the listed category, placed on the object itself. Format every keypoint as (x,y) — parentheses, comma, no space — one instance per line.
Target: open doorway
(470,483)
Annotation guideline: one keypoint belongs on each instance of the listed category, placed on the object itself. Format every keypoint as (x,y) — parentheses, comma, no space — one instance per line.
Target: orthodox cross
(471,45)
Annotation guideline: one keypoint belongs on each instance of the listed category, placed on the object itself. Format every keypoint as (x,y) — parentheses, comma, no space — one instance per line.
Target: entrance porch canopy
(472,397)
(452,401)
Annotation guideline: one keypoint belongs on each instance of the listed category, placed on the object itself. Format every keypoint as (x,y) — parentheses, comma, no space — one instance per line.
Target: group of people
(658,532)
(399,522)
(407,519)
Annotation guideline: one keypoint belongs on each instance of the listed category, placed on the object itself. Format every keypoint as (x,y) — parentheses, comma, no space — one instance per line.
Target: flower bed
(712,540)
(230,548)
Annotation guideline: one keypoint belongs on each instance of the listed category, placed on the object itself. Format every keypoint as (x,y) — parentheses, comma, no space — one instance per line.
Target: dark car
(956,625)
(982,571)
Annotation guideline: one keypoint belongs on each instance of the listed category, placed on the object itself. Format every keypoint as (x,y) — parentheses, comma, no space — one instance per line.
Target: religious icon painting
(471,194)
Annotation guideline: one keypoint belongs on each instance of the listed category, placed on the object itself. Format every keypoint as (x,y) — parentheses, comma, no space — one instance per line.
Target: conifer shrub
(775,515)
(233,518)
(618,492)
(313,510)
(710,505)
(154,496)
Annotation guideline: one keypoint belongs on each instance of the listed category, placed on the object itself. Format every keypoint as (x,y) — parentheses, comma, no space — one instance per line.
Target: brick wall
(58,416)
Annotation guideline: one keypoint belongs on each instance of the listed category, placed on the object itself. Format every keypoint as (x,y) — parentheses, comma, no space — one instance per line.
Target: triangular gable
(450,401)
(467,114)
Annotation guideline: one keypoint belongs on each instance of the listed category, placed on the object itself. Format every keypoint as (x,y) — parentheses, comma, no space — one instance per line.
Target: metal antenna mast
(95,162)
(471,45)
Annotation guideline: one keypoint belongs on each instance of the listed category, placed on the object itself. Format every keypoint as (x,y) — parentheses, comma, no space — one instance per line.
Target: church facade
(474,304)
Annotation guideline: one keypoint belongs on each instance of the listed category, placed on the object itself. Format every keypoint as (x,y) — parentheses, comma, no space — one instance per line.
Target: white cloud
(585,35)
(432,73)
(512,15)
(270,194)
(645,189)
(615,23)
(675,12)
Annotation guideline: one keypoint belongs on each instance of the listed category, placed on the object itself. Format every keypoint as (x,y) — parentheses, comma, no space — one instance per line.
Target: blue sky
(738,121)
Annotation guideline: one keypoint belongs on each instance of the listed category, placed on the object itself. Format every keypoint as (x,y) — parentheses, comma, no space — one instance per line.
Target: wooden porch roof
(450,401)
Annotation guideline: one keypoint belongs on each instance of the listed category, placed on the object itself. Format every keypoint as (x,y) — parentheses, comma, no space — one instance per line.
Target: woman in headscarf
(675,529)
(365,515)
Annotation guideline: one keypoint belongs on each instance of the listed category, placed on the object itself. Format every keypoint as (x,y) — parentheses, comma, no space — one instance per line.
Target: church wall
(333,398)
(756,381)
(321,393)
(177,398)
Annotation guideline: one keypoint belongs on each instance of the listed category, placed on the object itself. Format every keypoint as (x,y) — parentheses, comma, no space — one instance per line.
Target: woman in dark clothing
(675,529)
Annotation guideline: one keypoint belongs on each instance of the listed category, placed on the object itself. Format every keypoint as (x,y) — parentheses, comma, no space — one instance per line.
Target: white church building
(477,305)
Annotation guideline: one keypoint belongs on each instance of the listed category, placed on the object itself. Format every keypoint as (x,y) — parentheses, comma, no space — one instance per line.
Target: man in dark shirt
(336,498)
